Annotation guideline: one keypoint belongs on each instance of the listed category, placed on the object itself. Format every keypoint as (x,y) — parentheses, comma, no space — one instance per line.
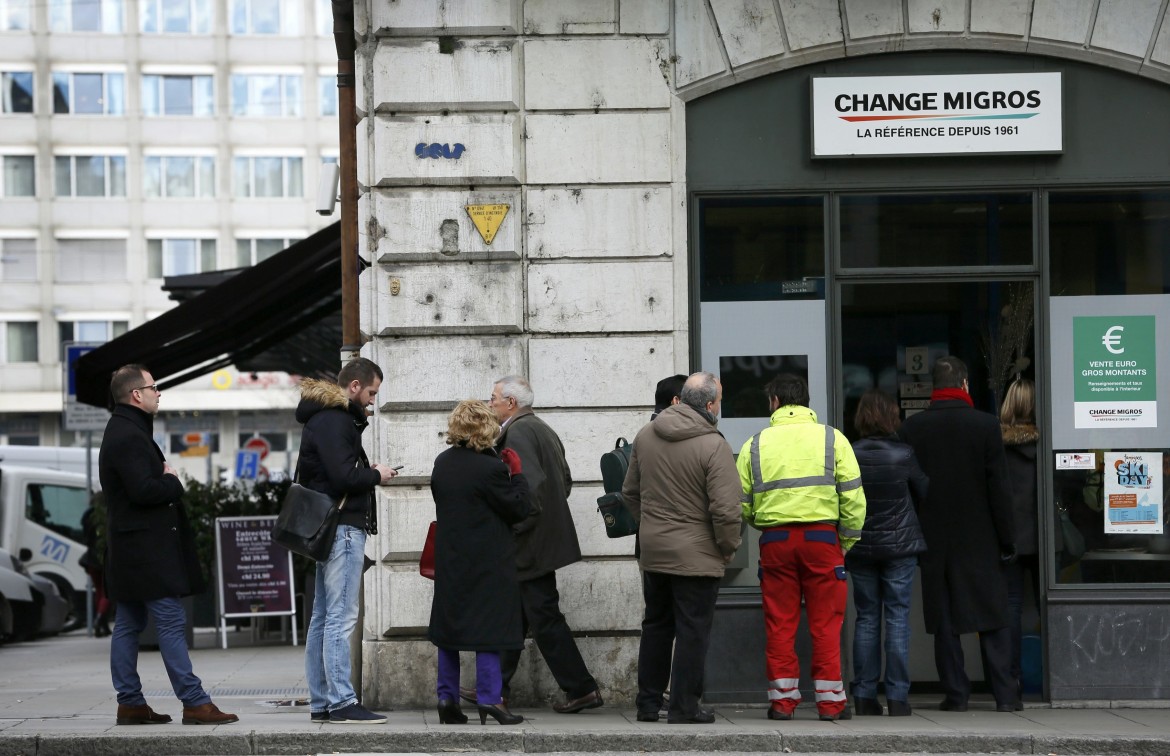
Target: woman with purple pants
(478,496)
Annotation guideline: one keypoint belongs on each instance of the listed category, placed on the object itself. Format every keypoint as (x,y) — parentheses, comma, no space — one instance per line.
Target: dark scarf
(951,393)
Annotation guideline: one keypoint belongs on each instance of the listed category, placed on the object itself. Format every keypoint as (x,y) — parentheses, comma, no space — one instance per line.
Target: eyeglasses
(153,387)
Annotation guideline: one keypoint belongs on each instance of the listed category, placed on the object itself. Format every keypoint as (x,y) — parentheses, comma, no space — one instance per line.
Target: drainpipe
(343,39)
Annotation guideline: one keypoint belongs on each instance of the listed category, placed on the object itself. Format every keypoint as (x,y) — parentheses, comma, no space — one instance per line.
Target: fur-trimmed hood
(317,395)
(1017,435)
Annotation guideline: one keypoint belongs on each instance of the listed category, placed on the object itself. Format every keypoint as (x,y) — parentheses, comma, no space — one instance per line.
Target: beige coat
(683,489)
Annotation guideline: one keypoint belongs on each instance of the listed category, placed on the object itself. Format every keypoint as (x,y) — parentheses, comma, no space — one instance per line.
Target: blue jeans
(882,587)
(170,620)
(335,611)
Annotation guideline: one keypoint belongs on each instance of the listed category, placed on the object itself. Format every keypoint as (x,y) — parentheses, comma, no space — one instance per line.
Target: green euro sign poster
(1115,366)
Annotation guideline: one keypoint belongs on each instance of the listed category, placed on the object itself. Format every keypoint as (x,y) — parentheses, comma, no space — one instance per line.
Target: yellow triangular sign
(487,219)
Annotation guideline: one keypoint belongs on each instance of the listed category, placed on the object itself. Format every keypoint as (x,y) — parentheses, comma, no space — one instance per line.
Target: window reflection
(1109,242)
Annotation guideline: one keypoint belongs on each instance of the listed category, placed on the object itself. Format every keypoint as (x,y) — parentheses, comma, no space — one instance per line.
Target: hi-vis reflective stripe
(759,486)
(829,690)
(785,687)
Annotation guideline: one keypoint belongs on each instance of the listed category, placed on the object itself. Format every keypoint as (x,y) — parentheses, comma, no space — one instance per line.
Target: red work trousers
(803,560)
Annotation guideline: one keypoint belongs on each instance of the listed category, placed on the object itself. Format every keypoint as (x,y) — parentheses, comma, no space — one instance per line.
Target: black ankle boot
(450,713)
(867,707)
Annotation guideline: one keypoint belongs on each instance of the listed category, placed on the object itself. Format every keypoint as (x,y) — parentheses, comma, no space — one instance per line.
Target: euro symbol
(1112,340)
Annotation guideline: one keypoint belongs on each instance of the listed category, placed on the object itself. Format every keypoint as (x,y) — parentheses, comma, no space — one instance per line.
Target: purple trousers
(487,676)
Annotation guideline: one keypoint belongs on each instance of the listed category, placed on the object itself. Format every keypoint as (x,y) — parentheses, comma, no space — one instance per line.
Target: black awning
(247,320)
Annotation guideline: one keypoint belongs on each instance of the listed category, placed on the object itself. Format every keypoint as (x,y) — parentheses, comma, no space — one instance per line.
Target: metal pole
(343,37)
(89,492)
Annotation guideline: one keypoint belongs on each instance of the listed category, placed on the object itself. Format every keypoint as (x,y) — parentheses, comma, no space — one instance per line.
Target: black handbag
(307,523)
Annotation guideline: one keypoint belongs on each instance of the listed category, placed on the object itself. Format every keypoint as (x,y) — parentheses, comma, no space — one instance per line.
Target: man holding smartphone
(333,461)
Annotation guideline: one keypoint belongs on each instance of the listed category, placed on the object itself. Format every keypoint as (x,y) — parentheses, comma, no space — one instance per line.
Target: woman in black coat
(884,561)
(1017,418)
(476,607)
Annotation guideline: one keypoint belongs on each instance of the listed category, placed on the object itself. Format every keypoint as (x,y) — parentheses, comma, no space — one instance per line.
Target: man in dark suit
(545,541)
(150,561)
(967,523)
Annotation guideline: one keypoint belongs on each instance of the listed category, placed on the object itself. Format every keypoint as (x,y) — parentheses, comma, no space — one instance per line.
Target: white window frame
(202,158)
(7,71)
(285,236)
(7,11)
(289,106)
(113,16)
(107,100)
(19,317)
(251,157)
(241,19)
(200,15)
(156,76)
(17,152)
(108,156)
(201,239)
(12,234)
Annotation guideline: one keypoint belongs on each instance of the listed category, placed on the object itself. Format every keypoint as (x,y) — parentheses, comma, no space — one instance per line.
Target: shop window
(86,16)
(86,260)
(177,95)
(89,176)
(267,176)
(760,249)
(179,257)
(1109,242)
(175,16)
(78,93)
(19,175)
(178,176)
(936,230)
(16,91)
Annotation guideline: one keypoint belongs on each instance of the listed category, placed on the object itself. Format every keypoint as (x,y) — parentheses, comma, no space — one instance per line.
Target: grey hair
(517,387)
(700,390)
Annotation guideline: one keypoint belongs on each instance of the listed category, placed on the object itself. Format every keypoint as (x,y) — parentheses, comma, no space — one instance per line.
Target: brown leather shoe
(140,715)
(207,713)
(590,700)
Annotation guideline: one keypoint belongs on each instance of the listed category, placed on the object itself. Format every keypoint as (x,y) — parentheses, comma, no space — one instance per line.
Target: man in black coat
(150,561)
(545,541)
(967,522)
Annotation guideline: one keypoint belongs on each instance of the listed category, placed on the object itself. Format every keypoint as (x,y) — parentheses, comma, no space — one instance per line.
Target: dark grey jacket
(895,487)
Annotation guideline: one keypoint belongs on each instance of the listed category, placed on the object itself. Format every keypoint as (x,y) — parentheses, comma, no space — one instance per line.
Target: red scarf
(951,393)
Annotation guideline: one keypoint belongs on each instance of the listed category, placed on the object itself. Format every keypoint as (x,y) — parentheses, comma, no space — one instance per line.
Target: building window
(17,94)
(267,177)
(20,341)
(15,15)
(268,95)
(92,331)
(179,257)
(86,16)
(89,176)
(327,95)
(79,93)
(266,17)
(167,95)
(19,173)
(175,16)
(252,251)
(20,429)
(178,176)
(86,260)
(324,18)
(18,260)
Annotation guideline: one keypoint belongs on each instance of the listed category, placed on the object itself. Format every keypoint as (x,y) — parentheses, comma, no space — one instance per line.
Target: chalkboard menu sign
(255,574)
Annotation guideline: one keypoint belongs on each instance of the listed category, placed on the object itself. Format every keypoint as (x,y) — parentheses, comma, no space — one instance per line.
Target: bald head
(703,392)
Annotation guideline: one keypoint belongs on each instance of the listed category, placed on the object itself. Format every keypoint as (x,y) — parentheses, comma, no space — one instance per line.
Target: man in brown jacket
(683,489)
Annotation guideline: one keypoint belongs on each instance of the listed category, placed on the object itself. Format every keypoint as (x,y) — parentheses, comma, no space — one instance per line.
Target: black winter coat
(476,606)
(547,539)
(895,487)
(150,548)
(967,517)
(1019,442)
(332,459)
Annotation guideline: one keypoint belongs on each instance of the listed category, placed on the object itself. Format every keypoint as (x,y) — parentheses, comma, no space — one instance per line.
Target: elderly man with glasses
(150,561)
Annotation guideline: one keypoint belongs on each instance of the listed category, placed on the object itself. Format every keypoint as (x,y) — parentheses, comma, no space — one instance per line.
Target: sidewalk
(55,698)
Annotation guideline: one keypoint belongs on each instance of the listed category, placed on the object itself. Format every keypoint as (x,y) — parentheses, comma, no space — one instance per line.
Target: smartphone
(398,468)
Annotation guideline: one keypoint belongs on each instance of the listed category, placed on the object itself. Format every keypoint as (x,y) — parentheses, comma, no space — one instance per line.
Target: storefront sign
(1133,492)
(255,574)
(936,115)
(1115,371)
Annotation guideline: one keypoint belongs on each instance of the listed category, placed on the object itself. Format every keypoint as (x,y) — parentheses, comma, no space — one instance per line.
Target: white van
(68,458)
(40,522)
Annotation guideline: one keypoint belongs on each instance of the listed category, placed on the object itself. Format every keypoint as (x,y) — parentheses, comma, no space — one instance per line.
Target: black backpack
(614,464)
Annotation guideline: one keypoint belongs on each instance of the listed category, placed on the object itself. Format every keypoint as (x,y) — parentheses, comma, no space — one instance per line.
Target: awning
(245,318)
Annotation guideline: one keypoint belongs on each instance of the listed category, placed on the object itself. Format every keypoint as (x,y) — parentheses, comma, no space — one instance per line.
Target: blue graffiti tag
(54,549)
(436,150)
